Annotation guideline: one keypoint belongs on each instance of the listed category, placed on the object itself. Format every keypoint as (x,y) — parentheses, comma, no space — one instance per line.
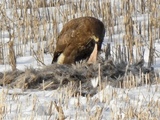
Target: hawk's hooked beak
(93,56)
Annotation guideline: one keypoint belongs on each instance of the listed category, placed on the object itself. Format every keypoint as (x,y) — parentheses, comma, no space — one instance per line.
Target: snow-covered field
(110,103)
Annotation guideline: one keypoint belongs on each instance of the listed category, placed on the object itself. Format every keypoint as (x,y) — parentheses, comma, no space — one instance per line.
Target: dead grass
(119,103)
(36,24)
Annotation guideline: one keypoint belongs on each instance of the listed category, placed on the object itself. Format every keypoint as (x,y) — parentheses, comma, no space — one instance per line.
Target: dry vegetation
(33,26)
(36,24)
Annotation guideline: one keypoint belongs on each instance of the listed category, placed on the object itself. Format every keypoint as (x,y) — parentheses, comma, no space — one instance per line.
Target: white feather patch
(61,59)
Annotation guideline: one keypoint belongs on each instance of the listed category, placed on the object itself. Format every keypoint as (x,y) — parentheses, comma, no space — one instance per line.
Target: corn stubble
(34,24)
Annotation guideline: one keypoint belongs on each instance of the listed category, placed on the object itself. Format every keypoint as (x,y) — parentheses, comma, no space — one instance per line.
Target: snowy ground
(113,103)
(110,103)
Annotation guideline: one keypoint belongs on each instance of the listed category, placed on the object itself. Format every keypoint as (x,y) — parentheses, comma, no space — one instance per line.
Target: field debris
(55,76)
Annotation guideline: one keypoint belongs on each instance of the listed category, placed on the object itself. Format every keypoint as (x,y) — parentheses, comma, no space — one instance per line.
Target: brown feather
(77,39)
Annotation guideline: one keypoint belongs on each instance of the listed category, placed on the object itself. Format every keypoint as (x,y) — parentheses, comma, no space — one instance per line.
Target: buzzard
(80,38)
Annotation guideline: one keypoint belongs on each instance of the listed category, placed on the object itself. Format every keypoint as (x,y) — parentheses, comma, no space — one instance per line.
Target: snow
(114,102)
